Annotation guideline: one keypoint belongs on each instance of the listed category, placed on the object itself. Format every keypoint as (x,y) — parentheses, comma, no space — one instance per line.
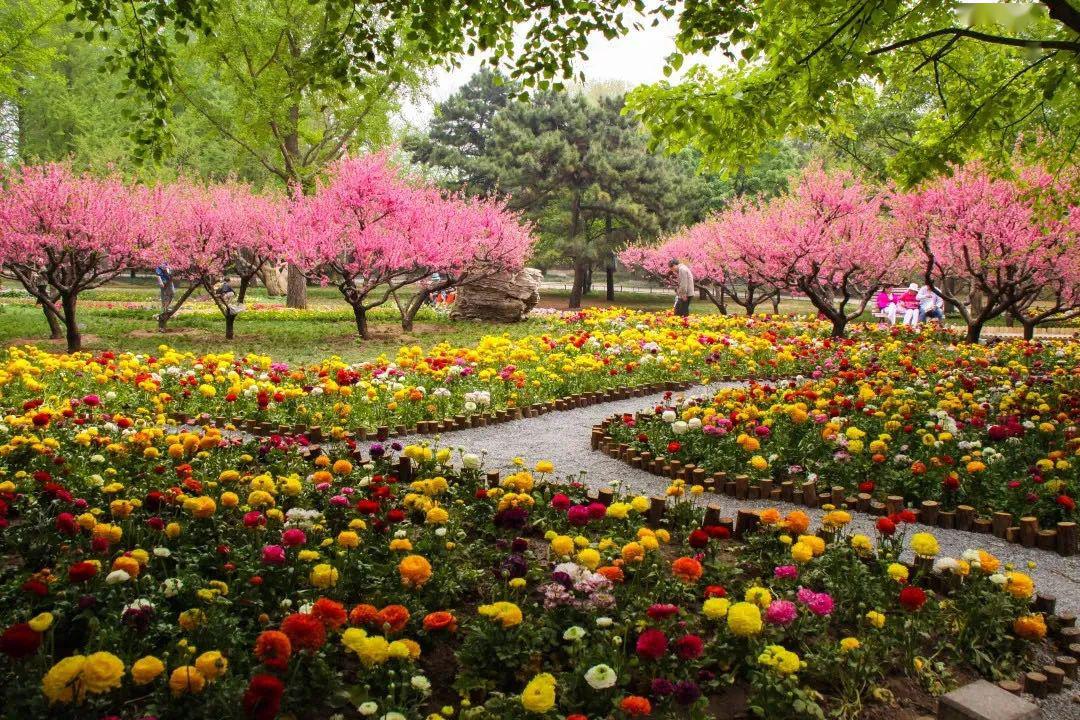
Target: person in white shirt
(930,305)
(684,288)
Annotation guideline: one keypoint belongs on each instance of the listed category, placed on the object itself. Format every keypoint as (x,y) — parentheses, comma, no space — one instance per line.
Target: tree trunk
(245,283)
(1010,321)
(974,330)
(271,279)
(578,289)
(776,304)
(74,338)
(296,296)
(609,272)
(55,331)
(360,314)
(588,279)
(413,307)
(230,321)
(839,324)
(1029,330)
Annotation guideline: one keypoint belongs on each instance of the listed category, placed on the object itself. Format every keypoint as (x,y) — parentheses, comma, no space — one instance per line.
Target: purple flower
(661,687)
(395,446)
(515,566)
(781,612)
(376,450)
(686,692)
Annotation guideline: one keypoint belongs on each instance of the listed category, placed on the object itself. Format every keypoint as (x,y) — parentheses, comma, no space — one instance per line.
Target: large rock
(505,297)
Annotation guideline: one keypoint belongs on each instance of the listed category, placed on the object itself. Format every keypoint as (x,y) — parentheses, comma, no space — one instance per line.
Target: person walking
(166,288)
(684,287)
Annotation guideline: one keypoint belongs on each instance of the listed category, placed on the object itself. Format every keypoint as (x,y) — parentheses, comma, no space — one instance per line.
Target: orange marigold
(392,618)
(612,573)
(363,614)
(797,522)
(330,613)
(440,620)
(635,705)
(273,649)
(686,569)
(415,570)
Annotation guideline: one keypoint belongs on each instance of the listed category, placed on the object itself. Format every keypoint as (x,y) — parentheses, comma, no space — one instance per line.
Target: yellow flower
(1019,585)
(505,613)
(897,572)
(436,516)
(861,543)
(348,539)
(876,619)
(371,649)
(102,671)
(186,679)
(146,669)
(716,608)
(63,682)
(323,575)
(780,659)
(211,664)
(759,596)
(589,557)
(817,545)
(539,695)
(924,544)
(801,552)
(848,644)
(562,545)
(41,622)
(545,466)
(744,619)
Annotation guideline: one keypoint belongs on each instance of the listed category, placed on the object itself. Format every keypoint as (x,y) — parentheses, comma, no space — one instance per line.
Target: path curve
(563,437)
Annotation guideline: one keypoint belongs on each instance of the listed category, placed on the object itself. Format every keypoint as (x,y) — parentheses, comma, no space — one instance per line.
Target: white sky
(636,58)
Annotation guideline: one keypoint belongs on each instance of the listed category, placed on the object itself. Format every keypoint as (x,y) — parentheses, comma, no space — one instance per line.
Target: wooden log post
(1046,540)
(1035,684)
(1067,665)
(1029,530)
(493,478)
(837,497)
(1001,522)
(742,486)
(982,525)
(605,496)
(947,519)
(1055,678)
(712,515)
(404,470)
(965,516)
(1066,538)
(746,521)
(894,504)
(655,514)
(928,513)
(787,491)
(862,502)
(809,493)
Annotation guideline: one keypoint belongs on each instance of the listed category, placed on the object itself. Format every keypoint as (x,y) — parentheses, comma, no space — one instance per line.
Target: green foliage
(975,80)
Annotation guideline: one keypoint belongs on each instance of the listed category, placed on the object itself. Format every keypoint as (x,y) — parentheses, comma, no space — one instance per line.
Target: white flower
(970,555)
(285,604)
(470,406)
(998,579)
(368,708)
(162,552)
(400,534)
(694,423)
(111,395)
(393,716)
(574,633)
(604,621)
(98,458)
(669,416)
(117,576)
(421,683)
(471,461)
(440,532)
(943,564)
(172,587)
(679,428)
(600,677)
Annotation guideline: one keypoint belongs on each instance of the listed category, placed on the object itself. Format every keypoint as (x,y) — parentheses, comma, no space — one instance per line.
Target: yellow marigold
(975,466)
(817,545)
(780,659)
(348,539)
(801,552)
(897,572)
(63,682)
(836,519)
(759,596)
(716,608)
(562,545)
(41,622)
(401,544)
(924,544)
(770,516)
(323,575)
(371,649)
(539,695)
(1030,627)
(744,619)
(146,670)
(633,552)
(191,619)
(102,671)
(988,563)
(212,664)
(1019,585)
(640,504)
(186,679)
(861,543)
(589,557)
(415,570)
(436,516)
(545,466)
(848,644)
(505,613)
(876,619)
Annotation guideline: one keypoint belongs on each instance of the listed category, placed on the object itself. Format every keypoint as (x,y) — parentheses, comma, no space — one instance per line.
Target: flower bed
(191,574)
(996,437)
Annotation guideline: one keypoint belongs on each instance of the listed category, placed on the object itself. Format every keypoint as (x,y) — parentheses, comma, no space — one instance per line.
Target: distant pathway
(563,438)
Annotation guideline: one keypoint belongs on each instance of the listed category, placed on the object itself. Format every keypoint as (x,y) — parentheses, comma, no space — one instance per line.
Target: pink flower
(273,555)
(293,537)
(781,612)
(818,603)
(651,644)
(560,501)
(578,515)
(92,400)
(786,572)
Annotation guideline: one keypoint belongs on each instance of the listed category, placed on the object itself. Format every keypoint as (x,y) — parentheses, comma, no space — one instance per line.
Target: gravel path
(563,438)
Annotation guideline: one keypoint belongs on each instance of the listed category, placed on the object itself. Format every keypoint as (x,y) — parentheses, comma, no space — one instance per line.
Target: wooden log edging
(1061,539)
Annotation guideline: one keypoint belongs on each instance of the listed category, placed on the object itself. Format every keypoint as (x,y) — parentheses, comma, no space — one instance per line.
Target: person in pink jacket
(910,302)
(886,305)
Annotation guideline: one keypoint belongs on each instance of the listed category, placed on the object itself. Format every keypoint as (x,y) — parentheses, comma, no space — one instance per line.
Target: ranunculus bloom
(273,555)
(912,598)
(781,612)
(20,641)
(689,647)
(293,537)
(651,644)
(262,699)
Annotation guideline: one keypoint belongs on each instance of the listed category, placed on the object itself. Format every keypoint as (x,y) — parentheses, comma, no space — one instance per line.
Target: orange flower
(392,618)
(440,620)
(1030,627)
(330,612)
(273,649)
(770,516)
(342,467)
(686,569)
(612,573)
(415,570)
(128,564)
(635,705)
(797,522)
(363,614)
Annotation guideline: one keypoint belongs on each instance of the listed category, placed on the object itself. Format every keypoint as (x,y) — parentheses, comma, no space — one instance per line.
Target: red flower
(689,647)
(362,614)
(36,587)
(20,641)
(82,571)
(912,598)
(699,539)
(1066,502)
(866,486)
(660,611)
(907,515)
(560,501)
(651,644)
(65,523)
(262,699)
(305,632)
(392,618)
(635,705)
(674,446)
(273,649)
(330,613)
(716,591)
(886,526)
(717,532)
(41,419)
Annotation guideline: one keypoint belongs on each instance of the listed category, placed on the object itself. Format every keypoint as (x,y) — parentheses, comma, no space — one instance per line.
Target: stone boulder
(504,297)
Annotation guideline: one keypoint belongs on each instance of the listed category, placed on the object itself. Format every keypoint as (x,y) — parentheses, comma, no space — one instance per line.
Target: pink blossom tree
(990,245)
(62,234)
(470,240)
(823,239)
(210,231)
